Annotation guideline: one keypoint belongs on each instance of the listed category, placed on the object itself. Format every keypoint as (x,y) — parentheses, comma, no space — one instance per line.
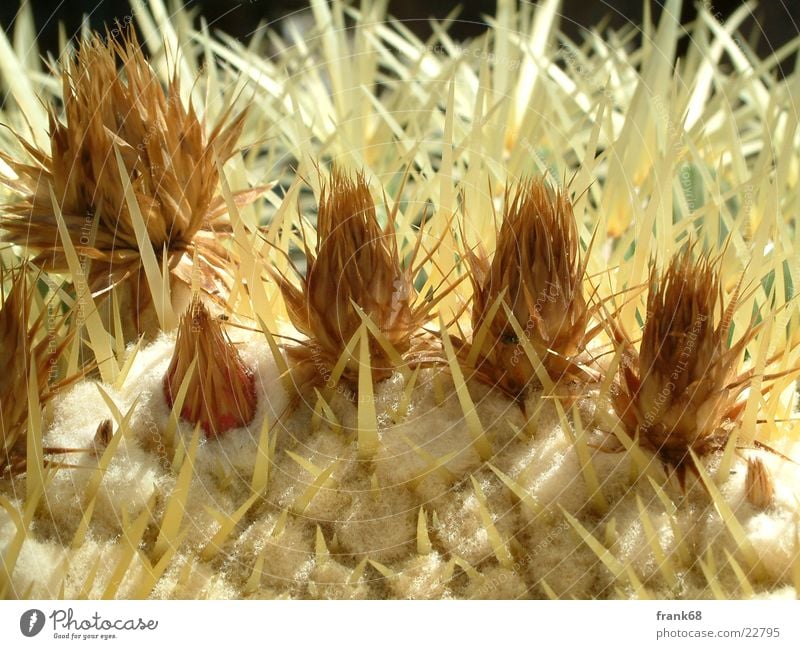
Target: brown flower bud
(25,339)
(111,97)
(680,391)
(221,394)
(758,487)
(537,269)
(355,262)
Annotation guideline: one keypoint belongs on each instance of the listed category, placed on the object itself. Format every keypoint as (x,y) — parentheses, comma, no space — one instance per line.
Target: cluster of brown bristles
(138,164)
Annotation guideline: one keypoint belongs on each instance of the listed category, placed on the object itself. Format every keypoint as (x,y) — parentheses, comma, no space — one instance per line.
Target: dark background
(775,22)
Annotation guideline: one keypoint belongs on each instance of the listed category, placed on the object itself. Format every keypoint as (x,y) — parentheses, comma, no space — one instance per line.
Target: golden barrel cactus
(519,445)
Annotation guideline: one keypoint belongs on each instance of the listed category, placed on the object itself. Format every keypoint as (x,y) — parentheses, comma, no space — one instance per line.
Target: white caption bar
(383,625)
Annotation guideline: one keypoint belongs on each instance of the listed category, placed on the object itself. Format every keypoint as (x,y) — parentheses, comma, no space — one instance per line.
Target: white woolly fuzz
(426,576)
(126,485)
(436,512)
(772,533)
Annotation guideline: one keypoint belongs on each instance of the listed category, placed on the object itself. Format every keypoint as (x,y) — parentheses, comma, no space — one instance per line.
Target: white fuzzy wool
(428,516)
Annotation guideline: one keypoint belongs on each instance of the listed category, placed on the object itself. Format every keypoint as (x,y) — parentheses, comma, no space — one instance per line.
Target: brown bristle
(111,96)
(537,267)
(355,262)
(221,392)
(758,488)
